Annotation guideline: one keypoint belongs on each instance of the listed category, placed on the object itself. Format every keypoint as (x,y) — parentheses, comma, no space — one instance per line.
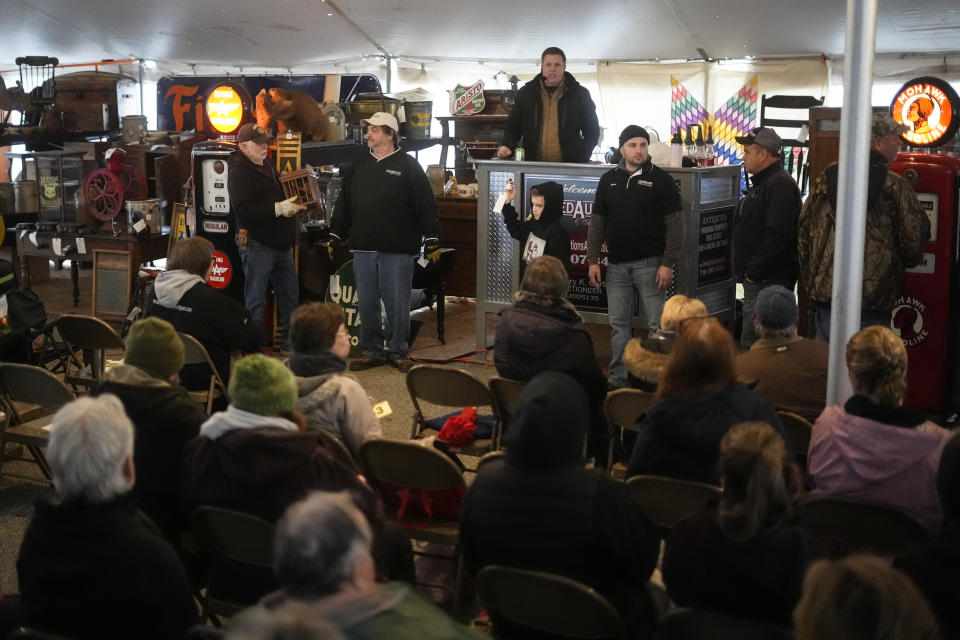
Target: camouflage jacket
(897,231)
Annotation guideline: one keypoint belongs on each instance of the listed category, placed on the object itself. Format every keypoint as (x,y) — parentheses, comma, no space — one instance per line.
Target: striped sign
(288,152)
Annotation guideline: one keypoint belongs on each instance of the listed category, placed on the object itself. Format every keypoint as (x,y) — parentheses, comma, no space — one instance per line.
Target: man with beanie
(165,418)
(385,213)
(896,235)
(637,212)
(790,371)
(267,227)
(553,117)
(765,227)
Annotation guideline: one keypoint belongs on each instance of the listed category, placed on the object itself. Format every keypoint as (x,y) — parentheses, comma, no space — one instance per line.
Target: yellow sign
(224,109)
(288,152)
(926,105)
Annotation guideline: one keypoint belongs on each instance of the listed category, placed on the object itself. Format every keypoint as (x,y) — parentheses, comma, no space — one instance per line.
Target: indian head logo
(926,105)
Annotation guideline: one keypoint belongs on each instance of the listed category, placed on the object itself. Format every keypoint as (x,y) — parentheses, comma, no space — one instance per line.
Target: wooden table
(41,244)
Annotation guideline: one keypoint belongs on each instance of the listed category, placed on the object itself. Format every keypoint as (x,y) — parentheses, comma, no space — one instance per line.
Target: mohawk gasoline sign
(928,106)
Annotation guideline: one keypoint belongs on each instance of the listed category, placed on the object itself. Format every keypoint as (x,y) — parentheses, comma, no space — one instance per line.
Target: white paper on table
(33,238)
(81,245)
(498,206)
(58,246)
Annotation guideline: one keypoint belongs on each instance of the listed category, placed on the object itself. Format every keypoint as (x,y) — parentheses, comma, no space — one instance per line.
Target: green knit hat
(262,385)
(154,346)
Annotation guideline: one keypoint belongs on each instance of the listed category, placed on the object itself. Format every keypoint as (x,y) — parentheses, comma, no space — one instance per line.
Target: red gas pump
(927,315)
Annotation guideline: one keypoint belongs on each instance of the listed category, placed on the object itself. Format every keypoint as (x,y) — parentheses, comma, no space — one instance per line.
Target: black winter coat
(102,572)
(549,227)
(532,338)
(933,566)
(219,322)
(680,436)
(579,129)
(759,578)
(165,418)
(252,196)
(540,509)
(765,229)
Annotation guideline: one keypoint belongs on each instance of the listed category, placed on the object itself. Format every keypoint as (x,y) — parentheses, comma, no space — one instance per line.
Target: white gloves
(287,208)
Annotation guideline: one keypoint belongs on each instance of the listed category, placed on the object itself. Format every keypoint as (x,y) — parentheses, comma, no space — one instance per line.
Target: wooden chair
(94,337)
(196,353)
(667,501)
(506,394)
(548,603)
(26,384)
(624,410)
(854,525)
(694,624)
(402,473)
(797,430)
(449,387)
(241,553)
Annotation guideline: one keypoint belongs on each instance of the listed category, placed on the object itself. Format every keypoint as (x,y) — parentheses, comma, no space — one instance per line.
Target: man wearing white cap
(385,214)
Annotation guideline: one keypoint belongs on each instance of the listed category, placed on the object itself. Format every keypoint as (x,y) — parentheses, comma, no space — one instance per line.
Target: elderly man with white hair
(323,562)
(91,564)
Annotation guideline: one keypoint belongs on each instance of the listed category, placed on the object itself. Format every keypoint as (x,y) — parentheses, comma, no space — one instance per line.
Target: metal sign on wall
(930,108)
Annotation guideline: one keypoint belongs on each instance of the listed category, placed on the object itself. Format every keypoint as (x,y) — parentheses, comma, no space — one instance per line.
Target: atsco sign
(927,106)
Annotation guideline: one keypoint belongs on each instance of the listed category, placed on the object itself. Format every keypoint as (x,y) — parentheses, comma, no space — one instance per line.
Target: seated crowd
(116,554)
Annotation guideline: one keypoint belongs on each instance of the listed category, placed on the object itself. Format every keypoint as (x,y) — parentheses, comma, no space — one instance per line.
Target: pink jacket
(862,458)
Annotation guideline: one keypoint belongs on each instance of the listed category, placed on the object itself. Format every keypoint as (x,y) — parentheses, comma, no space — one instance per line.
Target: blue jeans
(624,281)
(264,265)
(868,318)
(387,277)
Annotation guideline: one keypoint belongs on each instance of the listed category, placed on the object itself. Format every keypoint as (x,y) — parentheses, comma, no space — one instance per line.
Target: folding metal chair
(548,603)
(449,387)
(694,624)
(667,501)
(94,337)
(506,394)
(861,526)
(24,383)
(624,410)
(196,353)
(797,430)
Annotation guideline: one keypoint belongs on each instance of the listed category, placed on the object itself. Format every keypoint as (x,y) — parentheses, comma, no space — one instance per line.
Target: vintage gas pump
(215,220)
(927,315)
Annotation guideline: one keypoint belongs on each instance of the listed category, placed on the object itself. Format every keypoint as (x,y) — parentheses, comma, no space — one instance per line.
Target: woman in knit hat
(256,457)
(330,398)
(165,418)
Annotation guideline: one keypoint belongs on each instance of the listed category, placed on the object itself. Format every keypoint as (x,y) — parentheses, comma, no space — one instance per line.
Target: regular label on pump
(221,272)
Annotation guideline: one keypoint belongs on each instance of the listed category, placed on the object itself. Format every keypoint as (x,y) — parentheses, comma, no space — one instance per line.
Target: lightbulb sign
(928,107)
(225,109)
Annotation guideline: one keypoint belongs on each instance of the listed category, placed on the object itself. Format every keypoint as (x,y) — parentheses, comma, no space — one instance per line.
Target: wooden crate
(303,184)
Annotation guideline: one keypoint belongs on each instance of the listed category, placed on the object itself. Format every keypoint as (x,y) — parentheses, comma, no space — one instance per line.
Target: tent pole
(851,191)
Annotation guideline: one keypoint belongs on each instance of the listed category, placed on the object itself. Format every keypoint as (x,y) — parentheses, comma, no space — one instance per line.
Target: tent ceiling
(293,33)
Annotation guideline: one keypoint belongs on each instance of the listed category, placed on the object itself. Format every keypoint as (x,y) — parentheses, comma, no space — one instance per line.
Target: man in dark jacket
(386,211)
(183,298)
(553,118)
(267,225)
(165,418)
(539,508)
(765,227)
(637,211)
(91,565)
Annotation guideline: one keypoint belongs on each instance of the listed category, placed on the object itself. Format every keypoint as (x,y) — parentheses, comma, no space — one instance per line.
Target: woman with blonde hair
(873,447)
(746,556)
(645,358)
(699,399)
(861,598)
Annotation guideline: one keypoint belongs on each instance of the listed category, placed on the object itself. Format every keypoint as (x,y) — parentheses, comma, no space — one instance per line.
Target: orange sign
(926,105)
(224,109)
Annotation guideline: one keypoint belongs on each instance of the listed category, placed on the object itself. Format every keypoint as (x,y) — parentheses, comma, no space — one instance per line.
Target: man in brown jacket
(896,234)
(790,371)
